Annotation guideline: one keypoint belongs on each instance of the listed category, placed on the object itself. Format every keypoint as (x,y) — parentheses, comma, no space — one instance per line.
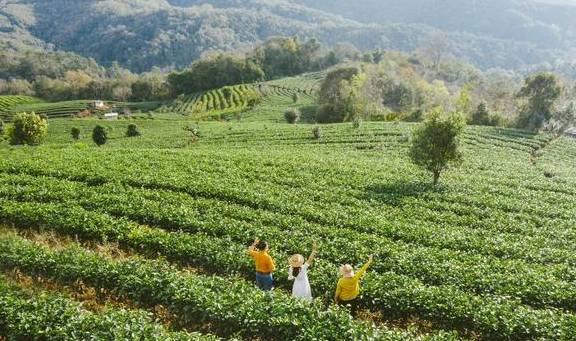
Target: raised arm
(312,254)
(363,269)
(252,247)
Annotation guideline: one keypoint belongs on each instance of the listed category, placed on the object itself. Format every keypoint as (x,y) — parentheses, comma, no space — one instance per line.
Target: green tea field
(146,237)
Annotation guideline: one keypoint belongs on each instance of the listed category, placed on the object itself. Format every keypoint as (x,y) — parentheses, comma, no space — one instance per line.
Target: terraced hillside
(487,255)
(10,105)
(253,102)
(7,102)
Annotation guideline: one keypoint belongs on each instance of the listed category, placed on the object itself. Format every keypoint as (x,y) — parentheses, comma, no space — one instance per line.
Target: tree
(563,119)
(435,143)
(339,95)
(28,128)
(132,130)
(75,132)
(541,91)
(1,129)
(122,93)
(292,116)
(481,116)
(295,97)
(99,135)
(435,48)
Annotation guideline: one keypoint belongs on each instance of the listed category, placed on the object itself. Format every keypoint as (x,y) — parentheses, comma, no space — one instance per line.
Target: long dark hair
(295,271)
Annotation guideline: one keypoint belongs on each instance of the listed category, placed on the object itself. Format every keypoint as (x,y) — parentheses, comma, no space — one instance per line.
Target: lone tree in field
(541,91)
(132,130)
(75,132)
(99,135)
(1,129)
(435,143)
(30,129)
(292,116)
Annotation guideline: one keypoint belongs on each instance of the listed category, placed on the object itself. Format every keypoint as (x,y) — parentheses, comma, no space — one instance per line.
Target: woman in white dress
(298,273)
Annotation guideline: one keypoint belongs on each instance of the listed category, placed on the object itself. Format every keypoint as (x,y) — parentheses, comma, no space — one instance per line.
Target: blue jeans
(264,281)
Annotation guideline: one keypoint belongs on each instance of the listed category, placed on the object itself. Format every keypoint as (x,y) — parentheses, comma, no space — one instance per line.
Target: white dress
(301,287)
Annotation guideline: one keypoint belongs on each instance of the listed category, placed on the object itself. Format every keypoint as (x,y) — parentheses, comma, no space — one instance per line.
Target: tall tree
(435,143)
(541,92)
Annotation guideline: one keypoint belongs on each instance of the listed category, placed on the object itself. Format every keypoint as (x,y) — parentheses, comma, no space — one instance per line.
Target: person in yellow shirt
(348,287)
(264,264)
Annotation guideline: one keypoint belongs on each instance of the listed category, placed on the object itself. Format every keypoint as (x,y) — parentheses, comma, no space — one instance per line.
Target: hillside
(141,34)
(487,255)
(545,24)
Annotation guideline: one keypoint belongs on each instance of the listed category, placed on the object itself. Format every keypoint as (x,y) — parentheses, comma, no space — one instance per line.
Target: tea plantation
(150,232)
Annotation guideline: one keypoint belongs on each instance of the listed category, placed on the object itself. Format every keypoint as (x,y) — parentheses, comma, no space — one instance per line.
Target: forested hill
(545,23)
(140,34)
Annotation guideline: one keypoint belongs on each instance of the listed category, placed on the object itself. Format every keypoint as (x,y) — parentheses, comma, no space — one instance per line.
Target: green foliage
(481,116)
(194,131)
(25,316)
(214,72)
(563,119)
(292,115)
(295,97)
(435,143)
(28,128)
(338,95)
(132,130)
(75,133)
(541,91)
(99,135)
(328,113)
(415,116)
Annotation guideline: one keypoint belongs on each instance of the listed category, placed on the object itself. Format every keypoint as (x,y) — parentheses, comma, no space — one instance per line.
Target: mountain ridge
(172,33)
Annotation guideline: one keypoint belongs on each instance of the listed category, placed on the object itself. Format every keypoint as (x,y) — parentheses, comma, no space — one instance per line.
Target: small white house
(111,116)
(98,104)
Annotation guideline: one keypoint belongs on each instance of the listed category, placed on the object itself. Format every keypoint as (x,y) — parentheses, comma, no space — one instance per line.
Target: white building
(98,104)
(111,116)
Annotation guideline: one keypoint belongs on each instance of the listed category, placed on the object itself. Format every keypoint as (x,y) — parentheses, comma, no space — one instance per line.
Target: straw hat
(296,261)
(347,270)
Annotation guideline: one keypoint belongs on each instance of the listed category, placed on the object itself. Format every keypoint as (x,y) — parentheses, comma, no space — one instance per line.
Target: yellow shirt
(264,262)
(348,288)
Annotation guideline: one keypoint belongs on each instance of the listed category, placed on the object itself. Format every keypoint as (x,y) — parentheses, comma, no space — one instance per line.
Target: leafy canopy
(28,128)
(435,142)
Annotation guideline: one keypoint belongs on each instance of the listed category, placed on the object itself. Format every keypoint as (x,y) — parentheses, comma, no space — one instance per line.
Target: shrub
(28,129)
(415,116)
(1,129)
(481,116)
(99,135)
(357,122)
(132,130)
(75,132)
(317,132)
(292,116)
(327,113)
(295,97)
(194,131)
(435,143)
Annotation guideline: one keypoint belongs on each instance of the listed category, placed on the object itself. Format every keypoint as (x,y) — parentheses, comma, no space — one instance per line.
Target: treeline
(277,57)
(58,76)
(66,76)
(402,87)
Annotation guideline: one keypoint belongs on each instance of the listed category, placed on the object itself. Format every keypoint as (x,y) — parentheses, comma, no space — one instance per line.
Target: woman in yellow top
(348,287)
(264,264)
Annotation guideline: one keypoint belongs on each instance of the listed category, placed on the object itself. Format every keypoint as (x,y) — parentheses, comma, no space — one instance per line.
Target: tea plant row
(396,295)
